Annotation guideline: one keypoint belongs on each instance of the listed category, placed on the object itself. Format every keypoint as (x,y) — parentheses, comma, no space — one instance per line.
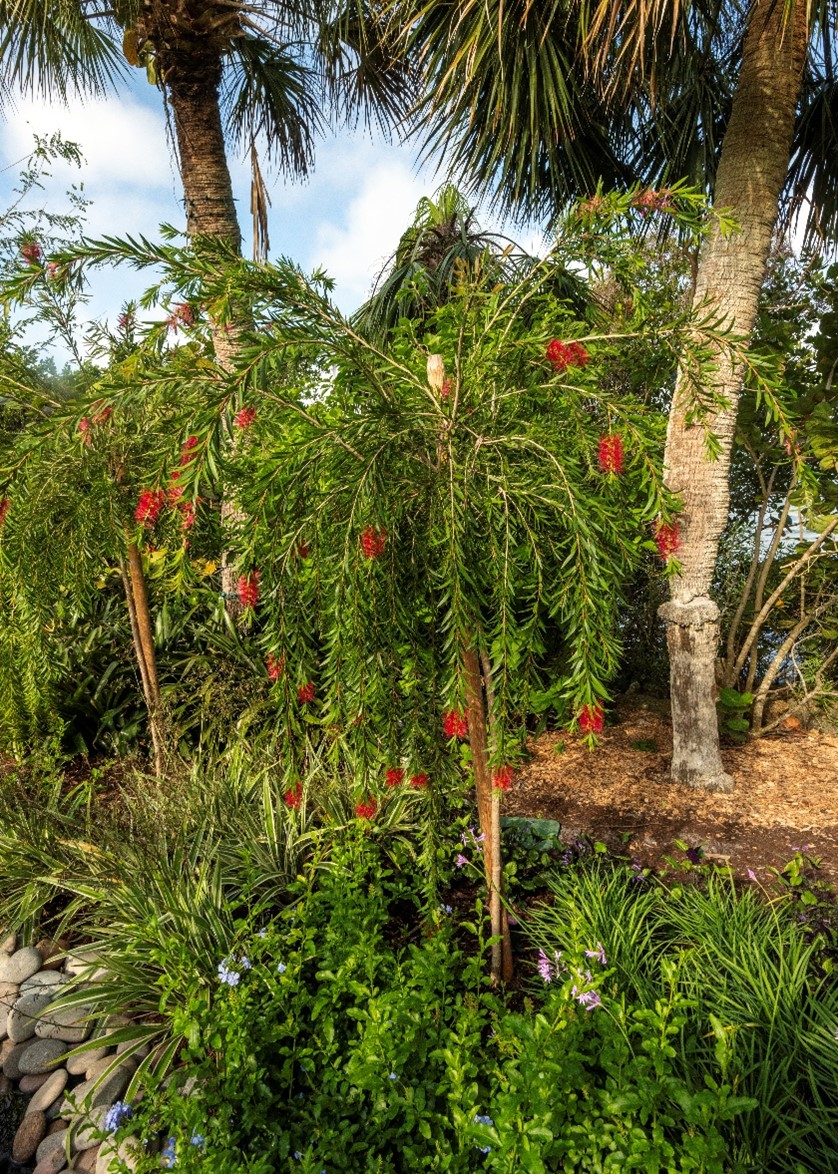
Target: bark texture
(752,170)
(136,599)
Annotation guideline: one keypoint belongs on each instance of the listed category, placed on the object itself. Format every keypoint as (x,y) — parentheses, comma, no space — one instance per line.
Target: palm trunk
(751,174)
(210,206)
(136,599)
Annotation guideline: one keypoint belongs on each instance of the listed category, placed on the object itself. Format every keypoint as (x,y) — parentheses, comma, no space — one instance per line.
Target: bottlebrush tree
(420,515)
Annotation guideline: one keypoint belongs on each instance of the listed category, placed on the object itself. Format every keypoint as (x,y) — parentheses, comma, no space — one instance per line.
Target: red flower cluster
(189,446)
(445,390)
(248,589)
(366,809)
(651,200)
(275,665)
(86,422)
(611,453)
(303,549)
(394,776)
(244,417)
(125,321)
(103,416)
(149,506)
(189,512)
(667,538)
(5,503)
(293,796)
(591,719)
(31,253)
(419,781)
(305,693)
(454,724)
(566,354)
(182,315)
(54,270)
(373,541)
(84,429)
(502,778)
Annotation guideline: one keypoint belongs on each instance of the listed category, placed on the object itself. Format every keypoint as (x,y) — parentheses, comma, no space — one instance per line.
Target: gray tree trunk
(752,170)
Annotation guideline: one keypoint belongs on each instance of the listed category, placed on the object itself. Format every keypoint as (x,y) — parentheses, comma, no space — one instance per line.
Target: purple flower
(227,975)
(598,953)
(751,874)
(694,855)
(461,860)
(119,1112)
(588,999)
(545,969)
(445,908)
(169,1156)
(281,967)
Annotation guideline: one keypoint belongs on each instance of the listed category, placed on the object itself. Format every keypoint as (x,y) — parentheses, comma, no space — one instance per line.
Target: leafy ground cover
(316,981)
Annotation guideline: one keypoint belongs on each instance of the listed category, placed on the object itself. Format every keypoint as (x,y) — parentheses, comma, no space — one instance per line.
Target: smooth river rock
(98,1090)
(30,1134)
(71,1025)
(80,1065)
(43,978)
(30,1084)
(50,1090)
(21,965)
(8,942)
(12,1057)
(90,1133)
(23,1017)
(52,1143)
(41,1055)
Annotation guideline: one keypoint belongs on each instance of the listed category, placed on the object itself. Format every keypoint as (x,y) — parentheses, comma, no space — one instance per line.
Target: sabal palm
(737,96)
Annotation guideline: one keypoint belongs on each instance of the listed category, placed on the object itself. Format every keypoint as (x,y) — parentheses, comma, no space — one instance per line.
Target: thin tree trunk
(497,862)
(133,584)
(488,812)
(752,169)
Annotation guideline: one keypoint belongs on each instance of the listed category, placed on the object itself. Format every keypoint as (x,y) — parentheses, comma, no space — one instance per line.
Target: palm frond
(269,92)
(55,49)
(812,184)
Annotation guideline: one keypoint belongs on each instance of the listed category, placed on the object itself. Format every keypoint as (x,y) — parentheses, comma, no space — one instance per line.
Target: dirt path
(786,794)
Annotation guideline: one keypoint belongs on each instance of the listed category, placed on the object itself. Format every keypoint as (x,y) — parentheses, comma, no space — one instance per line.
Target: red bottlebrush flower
(652,200)
(103,416)
(294,796)
(566,354)
(667,538)
(189,513)
(591,719)
(373,541)
(454,724)
(244,417)
(305,693)
(303,549)
(419,781)
(84,429)
(366,809)
(502,778)
(182,315)
(248,589)
(445,390)
(394,776)
(611,453)
(31,253)
(5,503)
(125,321)
(275,665)
(150,504)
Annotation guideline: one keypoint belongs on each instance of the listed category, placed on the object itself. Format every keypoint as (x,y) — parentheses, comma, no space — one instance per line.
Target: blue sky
(347,217)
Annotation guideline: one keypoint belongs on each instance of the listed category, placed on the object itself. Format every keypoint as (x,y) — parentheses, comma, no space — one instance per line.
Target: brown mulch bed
(786,794)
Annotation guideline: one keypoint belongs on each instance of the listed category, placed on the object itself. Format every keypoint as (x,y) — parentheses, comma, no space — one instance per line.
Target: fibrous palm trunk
(752,170)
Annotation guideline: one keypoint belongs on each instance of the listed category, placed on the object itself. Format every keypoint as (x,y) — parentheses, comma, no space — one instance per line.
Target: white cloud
(122,140)
(353,249)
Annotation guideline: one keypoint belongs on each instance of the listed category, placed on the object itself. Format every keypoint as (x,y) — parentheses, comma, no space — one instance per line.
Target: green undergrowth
(323,979)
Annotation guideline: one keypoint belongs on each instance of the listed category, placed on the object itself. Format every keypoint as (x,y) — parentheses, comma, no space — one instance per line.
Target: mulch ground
(786,794)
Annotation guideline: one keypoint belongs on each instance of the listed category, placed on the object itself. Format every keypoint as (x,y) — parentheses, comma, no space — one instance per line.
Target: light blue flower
(197,1139)
(298,1154)
(281,968)
(393,1076)
(263,933)
(227,975)
(445,908)
(482,1119)
(119,1112)
(169,1155)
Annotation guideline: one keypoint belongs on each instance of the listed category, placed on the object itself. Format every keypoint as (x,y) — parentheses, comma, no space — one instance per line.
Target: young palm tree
(540,102)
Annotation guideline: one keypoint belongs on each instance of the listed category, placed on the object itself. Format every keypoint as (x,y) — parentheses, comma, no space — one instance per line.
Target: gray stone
(9,991)
(41,1055)
(89,1134)
(85,1163)
(30,1084)
(78,1065)
(129,1151)
(51,1143)
(50,1090)
(81,961)
(43,978)
(30,1134)
(52,1164)
(99,1089)
(8,941)
(23,1017)
(19,966)
(70,1024)
(12,1058)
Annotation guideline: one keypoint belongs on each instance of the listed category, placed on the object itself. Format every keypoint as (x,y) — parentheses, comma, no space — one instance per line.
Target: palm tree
(229,71)
(539,102)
